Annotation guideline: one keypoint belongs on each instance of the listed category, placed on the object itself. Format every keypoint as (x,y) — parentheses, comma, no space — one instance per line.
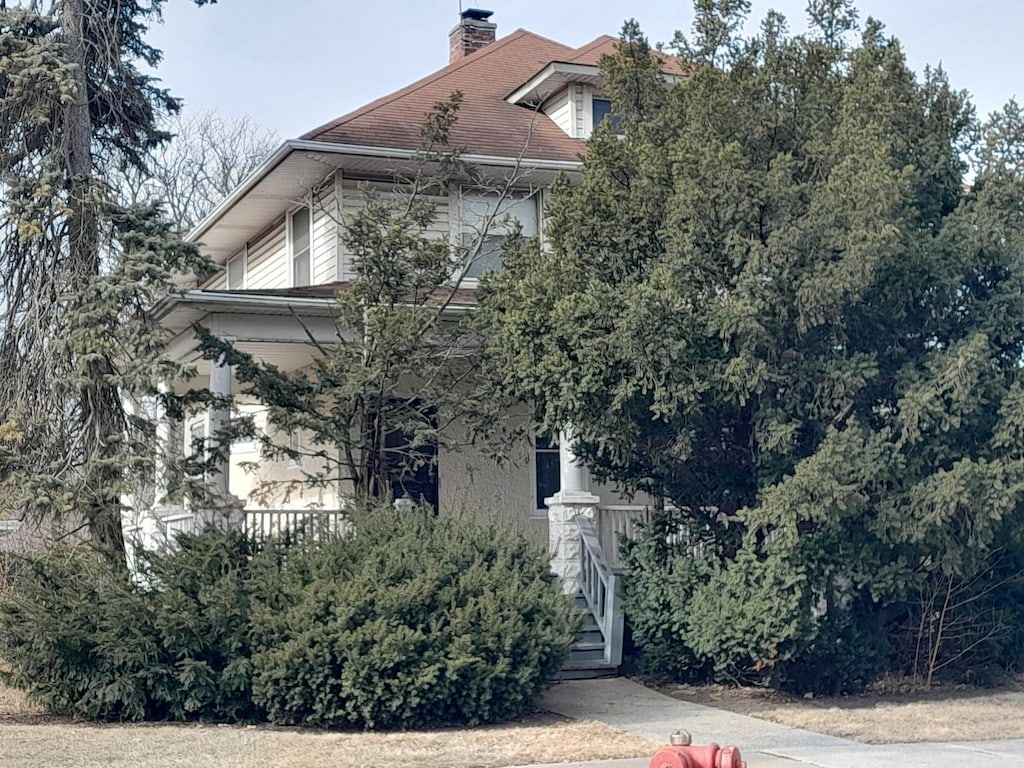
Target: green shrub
(413,621)
(86,642)
(755,619)
(410,621)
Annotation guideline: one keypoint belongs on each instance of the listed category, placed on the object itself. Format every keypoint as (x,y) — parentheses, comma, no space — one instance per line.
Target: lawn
(29,739)
(890,713)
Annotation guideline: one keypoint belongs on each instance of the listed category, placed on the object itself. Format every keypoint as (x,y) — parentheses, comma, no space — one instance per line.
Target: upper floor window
(601,109)
(487,220)
(300,240)
(236,269)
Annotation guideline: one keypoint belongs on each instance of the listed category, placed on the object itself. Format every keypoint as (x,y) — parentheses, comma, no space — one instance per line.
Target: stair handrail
(600,587)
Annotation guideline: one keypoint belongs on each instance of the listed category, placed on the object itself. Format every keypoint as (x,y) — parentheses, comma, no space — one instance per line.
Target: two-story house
(529,104)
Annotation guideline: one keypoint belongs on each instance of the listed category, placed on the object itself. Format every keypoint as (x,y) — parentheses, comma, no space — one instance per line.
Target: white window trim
(244,256)
(294,438)
(341,258)
(191,436)
(588,111)
(536,512)
(457,230)
(290,242)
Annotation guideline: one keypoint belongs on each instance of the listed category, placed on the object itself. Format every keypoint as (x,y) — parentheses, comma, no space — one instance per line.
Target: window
(197,439)
(300,237)
(601,109)
(295,447)
(236,271)
(548,480)
(246,444)
(487,220)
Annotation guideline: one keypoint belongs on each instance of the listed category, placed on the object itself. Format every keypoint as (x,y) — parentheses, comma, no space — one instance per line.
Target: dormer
(572,93)
(566,93)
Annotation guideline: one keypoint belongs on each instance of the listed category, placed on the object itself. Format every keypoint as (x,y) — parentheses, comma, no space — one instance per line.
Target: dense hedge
(761,616)
(409,621)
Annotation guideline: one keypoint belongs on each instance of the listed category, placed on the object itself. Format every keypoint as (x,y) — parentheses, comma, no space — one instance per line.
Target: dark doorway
(412,464)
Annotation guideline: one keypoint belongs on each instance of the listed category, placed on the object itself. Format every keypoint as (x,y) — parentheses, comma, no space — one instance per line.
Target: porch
(604,531)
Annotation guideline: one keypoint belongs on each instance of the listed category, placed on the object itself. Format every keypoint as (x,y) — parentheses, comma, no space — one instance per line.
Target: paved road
(624,704)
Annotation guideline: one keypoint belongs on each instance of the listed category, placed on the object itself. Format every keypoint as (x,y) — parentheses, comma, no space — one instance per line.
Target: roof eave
(358,150)
(530,93)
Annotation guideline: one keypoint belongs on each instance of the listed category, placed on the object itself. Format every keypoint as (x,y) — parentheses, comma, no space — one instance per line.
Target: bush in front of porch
(411,621)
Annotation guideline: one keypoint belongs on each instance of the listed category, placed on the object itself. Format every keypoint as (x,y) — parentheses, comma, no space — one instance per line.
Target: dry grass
(882,717)
(29,739)
(13,703)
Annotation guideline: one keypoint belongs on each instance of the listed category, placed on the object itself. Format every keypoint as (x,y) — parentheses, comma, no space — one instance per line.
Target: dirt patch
(889,714)
(29,738)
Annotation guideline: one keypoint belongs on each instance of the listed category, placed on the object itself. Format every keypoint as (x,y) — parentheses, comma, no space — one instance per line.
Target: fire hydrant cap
(680,738)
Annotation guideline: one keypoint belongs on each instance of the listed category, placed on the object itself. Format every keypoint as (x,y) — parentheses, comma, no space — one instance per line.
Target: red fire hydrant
(681,754)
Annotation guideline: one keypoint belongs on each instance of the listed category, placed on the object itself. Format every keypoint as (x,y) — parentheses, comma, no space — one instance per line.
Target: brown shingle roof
(606,45)
(487,124)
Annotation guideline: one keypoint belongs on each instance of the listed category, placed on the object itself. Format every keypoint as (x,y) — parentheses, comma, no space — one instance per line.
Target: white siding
(218,282)
(581,108)
(268,261)
(354,196)
(325,241)
(559,109)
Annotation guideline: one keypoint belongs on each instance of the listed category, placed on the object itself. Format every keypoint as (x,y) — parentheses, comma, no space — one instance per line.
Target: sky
(295,65)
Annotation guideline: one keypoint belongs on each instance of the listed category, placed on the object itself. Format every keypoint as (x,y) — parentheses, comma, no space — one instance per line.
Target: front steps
(587,657)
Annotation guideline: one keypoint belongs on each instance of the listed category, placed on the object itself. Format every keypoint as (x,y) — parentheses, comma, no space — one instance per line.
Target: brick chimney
(472,33)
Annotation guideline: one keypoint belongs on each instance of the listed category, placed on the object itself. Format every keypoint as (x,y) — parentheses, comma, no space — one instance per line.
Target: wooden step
(586,670)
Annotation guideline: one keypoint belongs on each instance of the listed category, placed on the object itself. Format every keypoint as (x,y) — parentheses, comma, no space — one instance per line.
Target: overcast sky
(296,64)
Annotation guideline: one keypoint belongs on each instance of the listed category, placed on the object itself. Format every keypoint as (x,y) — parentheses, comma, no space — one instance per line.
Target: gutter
(325,147)
(219,300)
(214,300)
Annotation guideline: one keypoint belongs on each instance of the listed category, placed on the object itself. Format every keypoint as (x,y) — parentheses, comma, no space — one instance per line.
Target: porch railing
(600,587)
(263,523)
(615,522)
(177,523)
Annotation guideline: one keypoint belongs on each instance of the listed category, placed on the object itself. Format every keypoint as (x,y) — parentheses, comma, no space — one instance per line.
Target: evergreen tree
(777,302)
(78,269)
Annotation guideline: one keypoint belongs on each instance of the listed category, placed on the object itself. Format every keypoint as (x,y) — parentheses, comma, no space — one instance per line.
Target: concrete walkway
(630,707)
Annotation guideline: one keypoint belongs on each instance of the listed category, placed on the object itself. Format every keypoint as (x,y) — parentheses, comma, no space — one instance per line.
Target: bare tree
(208,157)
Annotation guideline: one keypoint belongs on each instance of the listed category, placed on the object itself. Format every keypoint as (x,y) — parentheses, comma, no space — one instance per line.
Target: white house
(528,106)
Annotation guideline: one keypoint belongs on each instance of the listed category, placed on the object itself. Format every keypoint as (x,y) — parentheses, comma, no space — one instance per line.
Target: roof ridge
(428,80)
(599,40)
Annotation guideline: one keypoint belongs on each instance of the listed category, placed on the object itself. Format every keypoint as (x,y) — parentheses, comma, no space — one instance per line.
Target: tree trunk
(102,419)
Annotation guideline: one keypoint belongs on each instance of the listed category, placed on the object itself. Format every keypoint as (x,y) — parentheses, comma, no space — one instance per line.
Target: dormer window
(601,109)
(300,239)
(487,219)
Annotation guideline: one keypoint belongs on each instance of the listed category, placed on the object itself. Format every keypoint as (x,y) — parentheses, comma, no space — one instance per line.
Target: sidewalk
(628,706)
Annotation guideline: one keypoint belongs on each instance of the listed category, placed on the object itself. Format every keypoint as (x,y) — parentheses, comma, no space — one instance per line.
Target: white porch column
(226,512)
(164,432)
(220,419)
(573,499)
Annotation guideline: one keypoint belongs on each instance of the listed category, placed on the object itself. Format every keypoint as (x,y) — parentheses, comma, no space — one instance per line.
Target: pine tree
(79,270)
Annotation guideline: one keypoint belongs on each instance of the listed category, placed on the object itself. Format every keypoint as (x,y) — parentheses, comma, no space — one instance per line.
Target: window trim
(459,220)
(290,243)
(538,511)
(243,256)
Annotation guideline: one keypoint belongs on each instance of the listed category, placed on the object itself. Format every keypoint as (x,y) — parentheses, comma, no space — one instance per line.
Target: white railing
(615,523)
(600,587)
(177,523)
(264,523)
